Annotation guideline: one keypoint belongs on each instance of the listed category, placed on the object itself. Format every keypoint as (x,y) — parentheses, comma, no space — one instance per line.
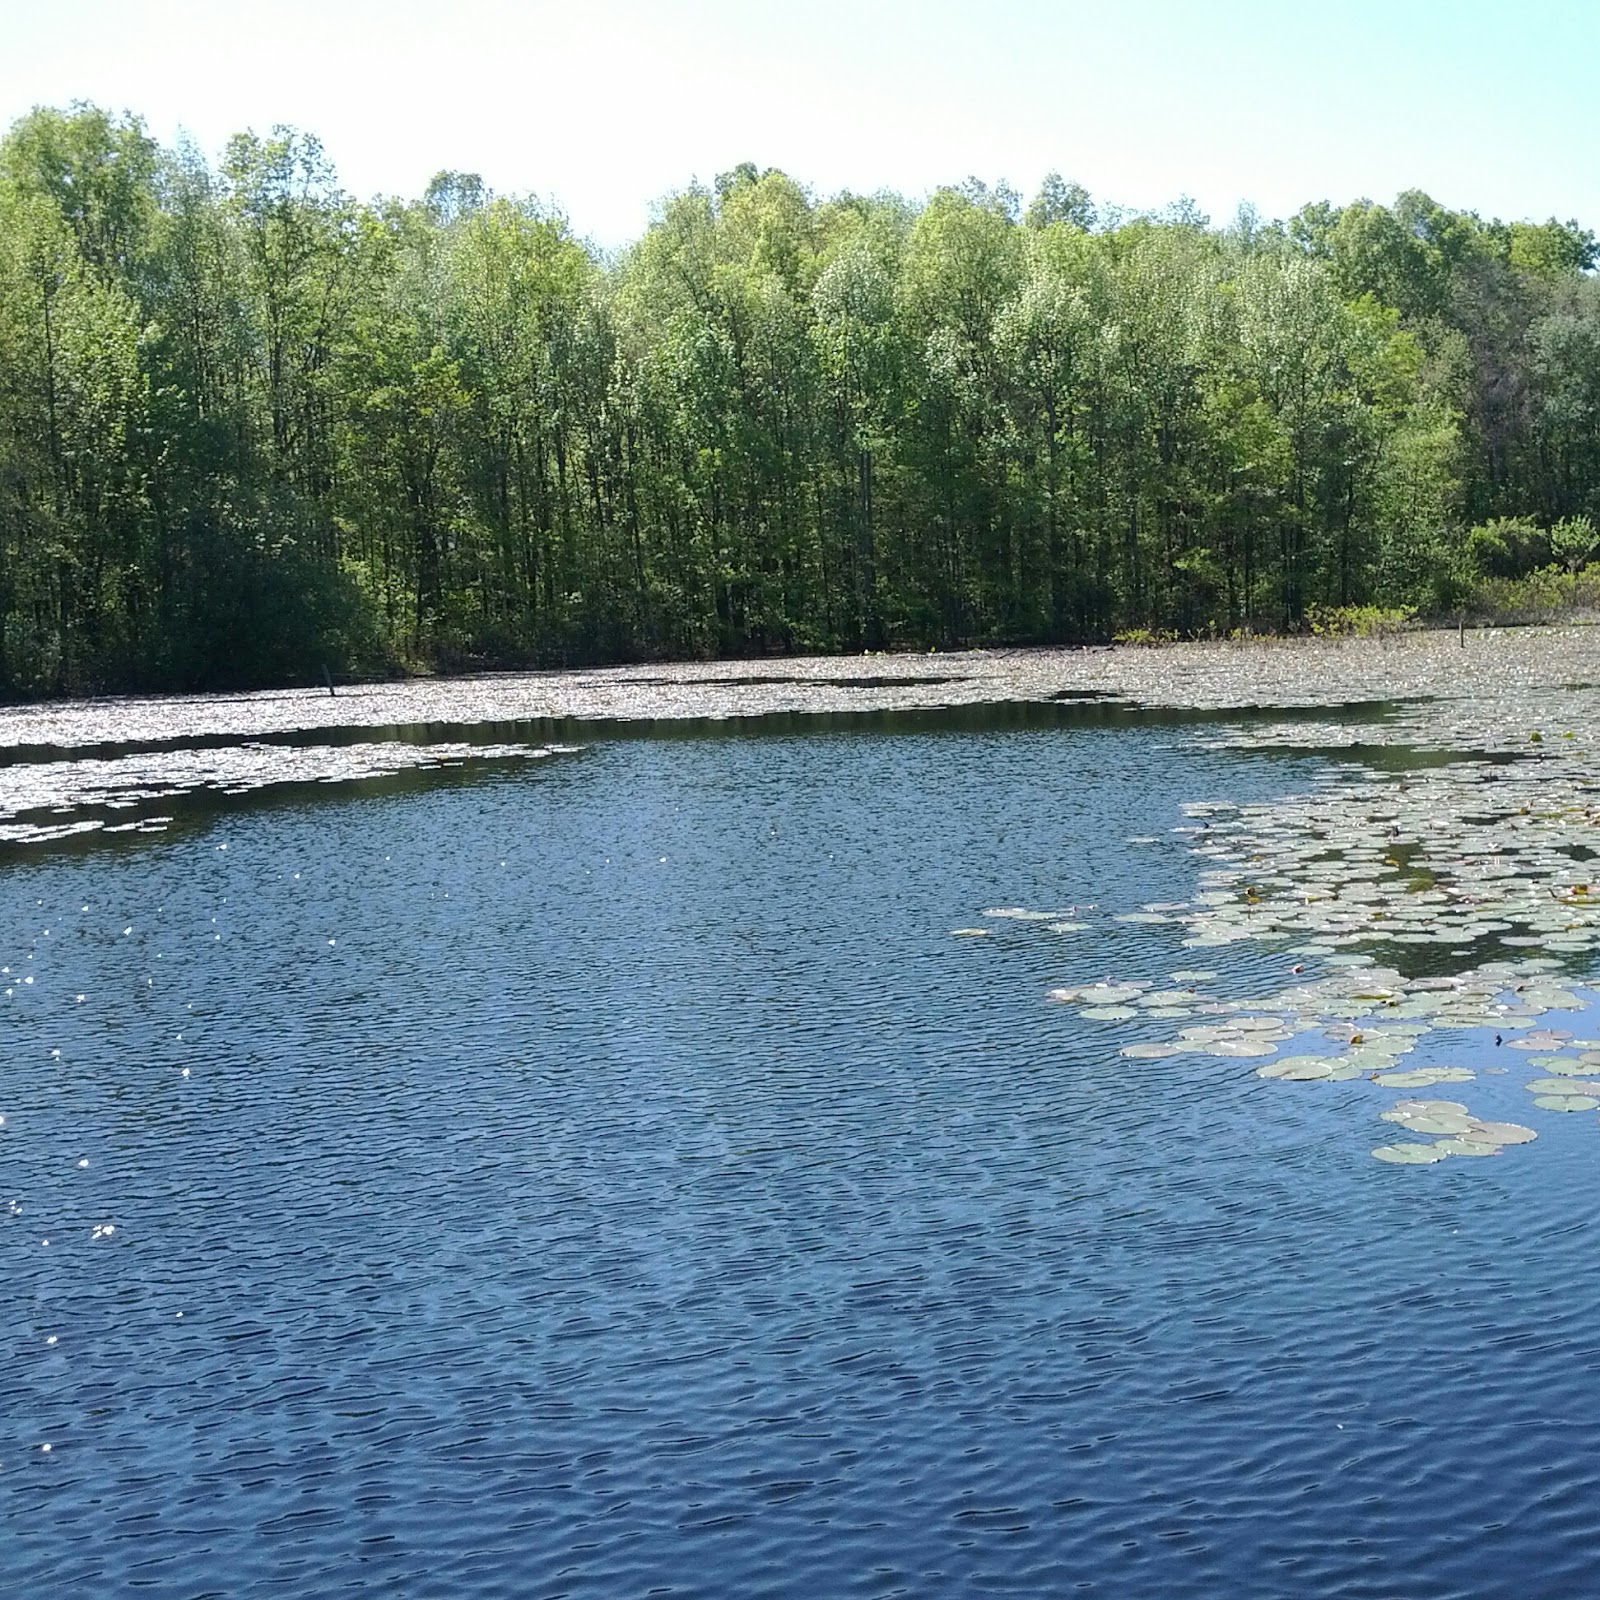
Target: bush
(1508,547)
(1361,622)
(1549,595)
(1572,542)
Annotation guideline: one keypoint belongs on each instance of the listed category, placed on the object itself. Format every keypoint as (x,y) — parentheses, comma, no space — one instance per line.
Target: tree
(1061,201)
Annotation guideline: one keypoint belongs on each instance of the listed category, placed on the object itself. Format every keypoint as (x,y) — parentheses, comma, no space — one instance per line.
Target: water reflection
(42,802)
(602,1175)
(49,795)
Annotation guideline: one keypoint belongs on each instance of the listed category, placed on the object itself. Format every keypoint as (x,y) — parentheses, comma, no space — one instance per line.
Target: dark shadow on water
(1449,961)
(186,812)
(766,680)
(1395,758)
(1067,710)
(194,805)
(1414,961)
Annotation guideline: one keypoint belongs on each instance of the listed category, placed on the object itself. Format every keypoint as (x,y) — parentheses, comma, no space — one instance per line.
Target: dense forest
(252,430)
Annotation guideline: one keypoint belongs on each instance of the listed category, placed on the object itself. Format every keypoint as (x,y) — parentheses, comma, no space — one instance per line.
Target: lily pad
(1500,1133)
(1466,1147)
(1315,1066)
(1411,1155)
(1421,1077)
(1566,1102)
(1430,1121)
(1299,1069)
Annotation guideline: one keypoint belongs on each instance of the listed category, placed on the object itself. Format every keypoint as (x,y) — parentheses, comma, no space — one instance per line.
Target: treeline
(251,429)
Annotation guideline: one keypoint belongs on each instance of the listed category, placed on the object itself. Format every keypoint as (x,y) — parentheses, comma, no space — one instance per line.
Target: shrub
(1508,547)
(1361,622)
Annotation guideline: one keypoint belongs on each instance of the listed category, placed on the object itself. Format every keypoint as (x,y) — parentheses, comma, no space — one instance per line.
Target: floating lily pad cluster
(1462,1134)
(1342,871)
(50,800)
(1484,833)
(1361,1020)
(1439,878)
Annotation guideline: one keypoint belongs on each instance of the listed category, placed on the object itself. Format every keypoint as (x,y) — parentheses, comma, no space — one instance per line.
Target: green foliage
(1059,201)
(251,429)
(1507,547)
(1359,622)
(1551,250)
(1573,541)
(1548,595)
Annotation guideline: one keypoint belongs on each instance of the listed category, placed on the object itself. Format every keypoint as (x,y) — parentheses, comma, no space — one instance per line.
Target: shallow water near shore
(595,1168)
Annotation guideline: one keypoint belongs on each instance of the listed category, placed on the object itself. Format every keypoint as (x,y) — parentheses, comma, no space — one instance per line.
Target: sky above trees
(608,106)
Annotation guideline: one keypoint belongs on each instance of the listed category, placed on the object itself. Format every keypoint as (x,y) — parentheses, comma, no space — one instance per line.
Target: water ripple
(607,1177)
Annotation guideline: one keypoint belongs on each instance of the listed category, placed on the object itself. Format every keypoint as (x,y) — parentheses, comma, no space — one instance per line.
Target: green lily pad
(1566,1102)
(1466,1147)
(1151,1052)
(1110,994)
(1316,1066)
(1299,1069)
(1345,1070)
(1500,1133)
(1411,1155)
(1421,1077)
(1376,1060)
(1108,1013)
(1430,1121)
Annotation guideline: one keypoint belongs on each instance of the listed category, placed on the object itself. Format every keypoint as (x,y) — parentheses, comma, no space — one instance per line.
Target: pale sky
(608,105)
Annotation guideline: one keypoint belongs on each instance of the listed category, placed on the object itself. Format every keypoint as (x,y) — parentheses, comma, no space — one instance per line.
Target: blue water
(609,1177)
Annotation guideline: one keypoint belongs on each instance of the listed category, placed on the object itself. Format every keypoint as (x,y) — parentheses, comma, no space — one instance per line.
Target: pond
(647,1160)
